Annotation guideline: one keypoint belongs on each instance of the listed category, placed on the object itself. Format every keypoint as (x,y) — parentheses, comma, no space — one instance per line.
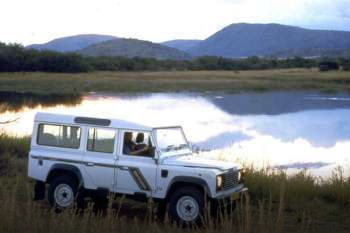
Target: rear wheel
(62,192)
(186,205)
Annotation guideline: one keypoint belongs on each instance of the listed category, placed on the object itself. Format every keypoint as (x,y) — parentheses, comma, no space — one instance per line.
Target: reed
(276,203)
(57,84)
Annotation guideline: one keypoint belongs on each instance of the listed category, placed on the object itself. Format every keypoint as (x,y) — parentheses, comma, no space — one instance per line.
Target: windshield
(171,141)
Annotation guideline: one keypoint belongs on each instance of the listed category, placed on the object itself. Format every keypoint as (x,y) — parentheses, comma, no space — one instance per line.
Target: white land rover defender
(76,154)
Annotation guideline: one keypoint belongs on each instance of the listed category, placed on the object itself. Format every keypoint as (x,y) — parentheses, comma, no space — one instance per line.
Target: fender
(64,169)
(192,180)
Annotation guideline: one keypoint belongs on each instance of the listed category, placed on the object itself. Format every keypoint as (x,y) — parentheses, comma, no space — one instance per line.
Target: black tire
(66,181)
(194,194)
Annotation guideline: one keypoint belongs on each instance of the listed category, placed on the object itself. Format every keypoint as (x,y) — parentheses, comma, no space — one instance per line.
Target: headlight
(241,175)
(219,182)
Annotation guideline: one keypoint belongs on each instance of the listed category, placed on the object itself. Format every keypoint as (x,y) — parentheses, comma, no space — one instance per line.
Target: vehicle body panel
(126,174)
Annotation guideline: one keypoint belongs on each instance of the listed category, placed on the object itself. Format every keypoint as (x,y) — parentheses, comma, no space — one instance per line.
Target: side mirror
(152,151)
(190,145)
(193,147)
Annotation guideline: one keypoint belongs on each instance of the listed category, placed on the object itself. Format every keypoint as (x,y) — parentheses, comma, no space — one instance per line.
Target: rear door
(100,157)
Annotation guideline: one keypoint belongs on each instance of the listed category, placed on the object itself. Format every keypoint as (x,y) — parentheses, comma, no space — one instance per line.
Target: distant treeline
(14,58)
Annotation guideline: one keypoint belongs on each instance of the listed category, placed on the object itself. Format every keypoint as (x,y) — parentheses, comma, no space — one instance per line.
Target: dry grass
(276,203)
(176,81)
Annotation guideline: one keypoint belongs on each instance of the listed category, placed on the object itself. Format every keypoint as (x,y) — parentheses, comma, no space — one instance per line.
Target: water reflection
(222,140)
(16,101)
(299,165)
(274,103)
(321,128)
(314,138)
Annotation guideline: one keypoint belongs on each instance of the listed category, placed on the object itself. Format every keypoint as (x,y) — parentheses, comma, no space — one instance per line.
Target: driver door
(136,173)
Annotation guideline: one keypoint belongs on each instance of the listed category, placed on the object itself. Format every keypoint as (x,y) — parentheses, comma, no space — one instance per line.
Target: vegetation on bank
(174,81)
(15,101)
(276,203)
(15,58)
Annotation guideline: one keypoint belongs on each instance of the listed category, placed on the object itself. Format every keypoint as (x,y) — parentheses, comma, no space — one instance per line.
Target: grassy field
(276,203)
(176,81)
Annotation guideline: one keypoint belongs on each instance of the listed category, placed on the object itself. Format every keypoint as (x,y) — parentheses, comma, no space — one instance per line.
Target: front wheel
(186,205)
(62,192)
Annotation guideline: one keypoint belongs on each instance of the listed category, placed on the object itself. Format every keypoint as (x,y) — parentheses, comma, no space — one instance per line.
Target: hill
(133,48)
(314,52)
(242,40)
(71,43)
(183,45)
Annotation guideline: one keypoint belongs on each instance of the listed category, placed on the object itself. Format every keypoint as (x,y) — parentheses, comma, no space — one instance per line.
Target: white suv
(81,154)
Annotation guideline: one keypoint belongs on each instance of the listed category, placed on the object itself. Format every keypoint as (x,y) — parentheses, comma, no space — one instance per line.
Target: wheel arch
(181,181)
(65,169)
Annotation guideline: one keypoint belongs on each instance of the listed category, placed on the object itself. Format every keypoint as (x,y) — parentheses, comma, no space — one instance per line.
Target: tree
(344,63)
(328,65)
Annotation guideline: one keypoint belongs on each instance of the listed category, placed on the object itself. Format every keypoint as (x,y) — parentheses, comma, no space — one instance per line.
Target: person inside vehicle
(130,147)
(140,138)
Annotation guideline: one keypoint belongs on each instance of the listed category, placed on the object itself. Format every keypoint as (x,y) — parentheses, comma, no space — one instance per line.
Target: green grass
(276,203)
(176,81)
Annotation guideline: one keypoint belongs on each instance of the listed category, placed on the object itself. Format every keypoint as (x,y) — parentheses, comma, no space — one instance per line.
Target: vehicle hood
(198,162)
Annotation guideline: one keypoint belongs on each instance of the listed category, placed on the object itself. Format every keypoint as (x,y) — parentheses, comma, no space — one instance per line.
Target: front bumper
(233,193)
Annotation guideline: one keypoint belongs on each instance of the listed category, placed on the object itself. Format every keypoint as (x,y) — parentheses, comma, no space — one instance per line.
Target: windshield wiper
(181,146)
(170,147)
(173,147)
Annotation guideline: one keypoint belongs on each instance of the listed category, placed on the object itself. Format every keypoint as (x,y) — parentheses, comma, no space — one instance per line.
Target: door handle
(89,164)
(124,168)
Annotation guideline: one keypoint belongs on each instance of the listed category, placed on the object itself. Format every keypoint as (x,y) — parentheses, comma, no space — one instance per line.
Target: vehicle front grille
(230,179)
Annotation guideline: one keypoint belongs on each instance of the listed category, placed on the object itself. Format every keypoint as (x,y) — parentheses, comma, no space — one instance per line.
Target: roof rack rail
(92,121)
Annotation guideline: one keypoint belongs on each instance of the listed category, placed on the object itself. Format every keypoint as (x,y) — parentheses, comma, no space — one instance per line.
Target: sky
(39,21)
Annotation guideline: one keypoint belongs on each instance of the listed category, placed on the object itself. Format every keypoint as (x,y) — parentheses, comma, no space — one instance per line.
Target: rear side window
(101,140)
(59,136)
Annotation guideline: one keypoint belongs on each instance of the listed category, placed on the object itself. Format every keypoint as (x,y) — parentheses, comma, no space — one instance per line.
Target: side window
(101,140)
(137,143)
(59,136)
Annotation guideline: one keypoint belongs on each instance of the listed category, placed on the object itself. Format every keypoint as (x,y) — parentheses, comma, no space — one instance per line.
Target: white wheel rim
(64,195)
(187,208)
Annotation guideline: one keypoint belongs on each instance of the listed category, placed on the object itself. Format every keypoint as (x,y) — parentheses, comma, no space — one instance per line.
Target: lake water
(293,130)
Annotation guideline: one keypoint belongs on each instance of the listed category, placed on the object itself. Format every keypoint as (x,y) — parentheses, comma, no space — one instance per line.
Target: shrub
(328,65)
(345,64)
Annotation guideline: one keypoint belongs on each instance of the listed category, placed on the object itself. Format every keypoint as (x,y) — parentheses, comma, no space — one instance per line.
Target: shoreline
(176,81)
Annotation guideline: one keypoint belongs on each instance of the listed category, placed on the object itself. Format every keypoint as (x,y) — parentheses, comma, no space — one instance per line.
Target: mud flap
(39,191)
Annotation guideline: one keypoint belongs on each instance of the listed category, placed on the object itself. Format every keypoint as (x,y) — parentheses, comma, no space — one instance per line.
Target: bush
(14,57)
(328,66)
(345,64)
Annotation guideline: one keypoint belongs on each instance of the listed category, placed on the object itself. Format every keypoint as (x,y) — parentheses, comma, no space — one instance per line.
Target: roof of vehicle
(70,119)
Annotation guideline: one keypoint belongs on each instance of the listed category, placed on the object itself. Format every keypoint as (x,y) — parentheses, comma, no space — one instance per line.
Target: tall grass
(275,203)
(19,213)
(175,81)
(15,101)
(300,187)
(11,149)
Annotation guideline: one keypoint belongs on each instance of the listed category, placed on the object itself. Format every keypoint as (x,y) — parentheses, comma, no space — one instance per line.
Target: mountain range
(233,41)
(242,40)
(183,45)
(72,43)
(133,48)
